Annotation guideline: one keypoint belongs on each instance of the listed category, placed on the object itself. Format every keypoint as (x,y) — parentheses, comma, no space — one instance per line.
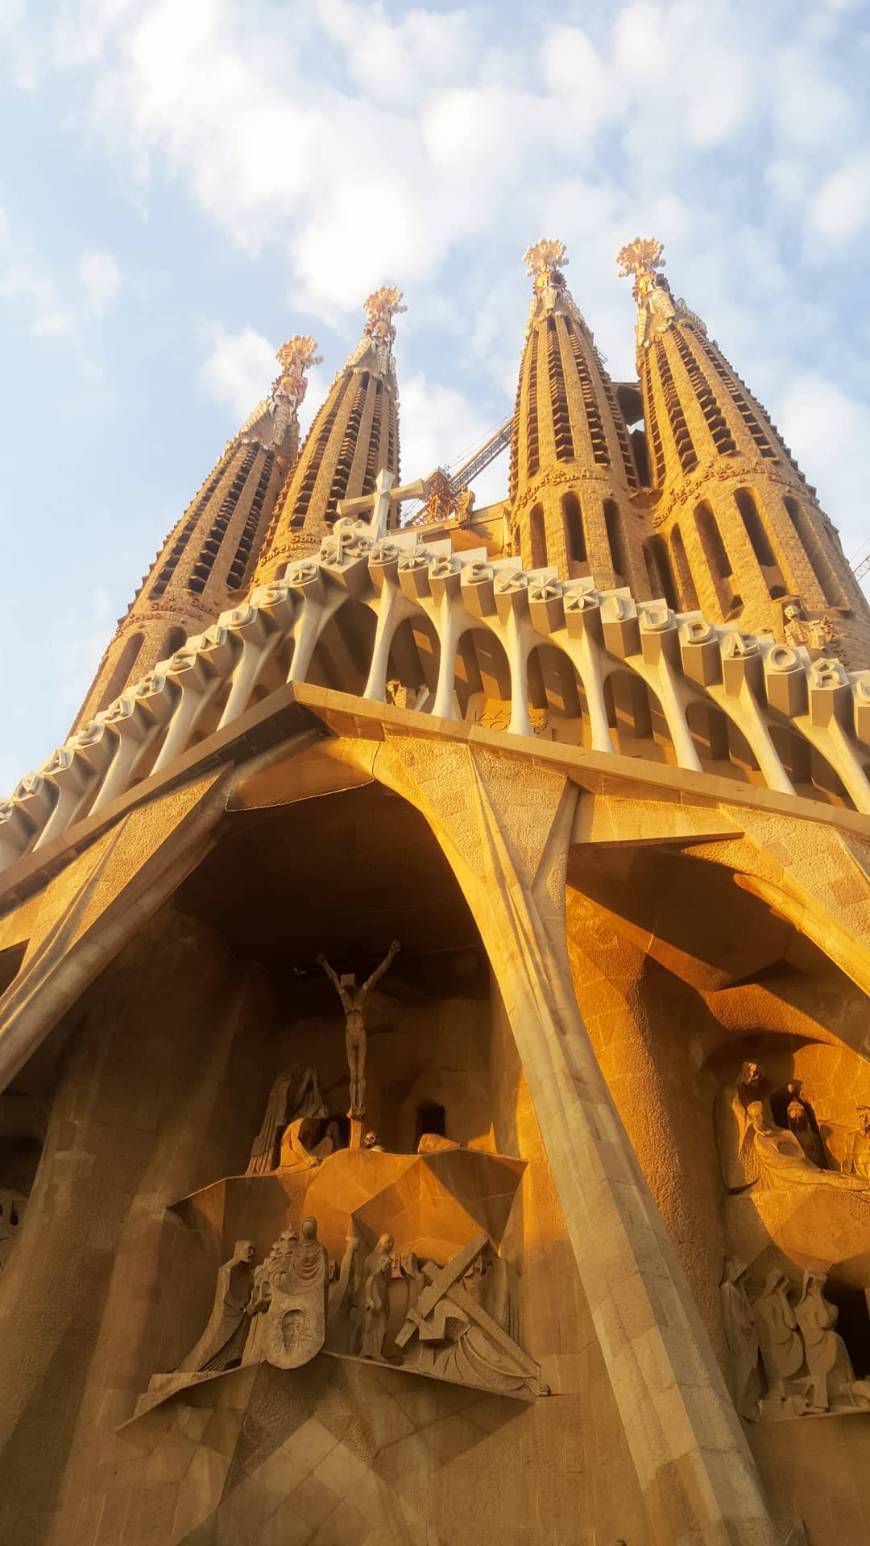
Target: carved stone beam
(344,557)
(740,695)
(451,621)
(24,814)
(512,606)
(829,727)
(256,638)
(319,603)
(662,668)
(198,669)
(392,608)
(71,778)
(585,646)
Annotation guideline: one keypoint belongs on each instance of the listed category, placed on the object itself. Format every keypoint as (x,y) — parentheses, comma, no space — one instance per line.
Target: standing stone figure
(733,1131)
(830,1366)
(222,1343)
(295,1329)
(261,1295)
(780,1342)
(801,1124)
(742,1337)
(353,1001)
(377,1272)
(860,1156)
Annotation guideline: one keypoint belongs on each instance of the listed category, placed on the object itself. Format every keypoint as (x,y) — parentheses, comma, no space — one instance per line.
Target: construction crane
(863,567)
(448,484)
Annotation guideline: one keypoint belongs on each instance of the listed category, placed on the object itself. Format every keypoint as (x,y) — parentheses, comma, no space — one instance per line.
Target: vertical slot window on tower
(761,547)
(812,546)
(122,670)
(538,537)
(613,524)
(575,537)
(658,564)
(685,583)
(718,562)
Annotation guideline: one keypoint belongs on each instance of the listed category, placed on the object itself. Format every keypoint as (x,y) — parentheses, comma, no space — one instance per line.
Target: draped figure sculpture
(353,1002)
(294,1095)
(223,1340)
(782,1162)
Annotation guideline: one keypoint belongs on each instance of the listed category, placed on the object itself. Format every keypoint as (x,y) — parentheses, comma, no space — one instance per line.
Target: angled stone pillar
(505,831)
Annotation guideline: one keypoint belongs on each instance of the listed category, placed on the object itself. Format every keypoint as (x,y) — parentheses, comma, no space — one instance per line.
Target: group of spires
(676,486)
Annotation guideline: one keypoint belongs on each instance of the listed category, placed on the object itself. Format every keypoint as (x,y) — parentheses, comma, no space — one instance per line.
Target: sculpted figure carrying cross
(353,1001)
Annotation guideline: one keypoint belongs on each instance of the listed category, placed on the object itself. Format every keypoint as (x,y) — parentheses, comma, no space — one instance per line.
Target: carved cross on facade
(378,502)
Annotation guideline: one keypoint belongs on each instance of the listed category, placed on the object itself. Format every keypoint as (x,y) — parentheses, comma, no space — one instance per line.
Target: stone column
(506,834)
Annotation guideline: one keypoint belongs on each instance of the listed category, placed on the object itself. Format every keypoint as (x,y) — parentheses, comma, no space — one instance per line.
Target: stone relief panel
(792,1125)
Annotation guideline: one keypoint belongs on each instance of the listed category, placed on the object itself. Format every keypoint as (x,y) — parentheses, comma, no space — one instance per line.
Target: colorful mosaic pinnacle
(544,262)
(380,307)
(642,257)
(295,358)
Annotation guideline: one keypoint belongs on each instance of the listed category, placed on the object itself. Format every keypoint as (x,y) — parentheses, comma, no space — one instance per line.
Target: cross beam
(380,500)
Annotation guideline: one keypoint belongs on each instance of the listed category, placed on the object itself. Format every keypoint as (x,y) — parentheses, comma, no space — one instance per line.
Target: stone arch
(483,679)
(812,776)
(415,655)
(557,701)
(120,674)
(636,718)
(343,652)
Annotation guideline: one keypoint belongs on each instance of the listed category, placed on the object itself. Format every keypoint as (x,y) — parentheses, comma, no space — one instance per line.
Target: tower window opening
(575,537)
(594,423)
(122,671)
(626,446)
(562,437)
(718,562)
(350,438)
(679,428)
(732,384)
(532,447)
(613,523)
(188,527)
(658,565)
(247,540)
(318,438)
(212,543)
(812,546)
(683,574)
(173,640)
(720,434)
(538,537)
(655,437)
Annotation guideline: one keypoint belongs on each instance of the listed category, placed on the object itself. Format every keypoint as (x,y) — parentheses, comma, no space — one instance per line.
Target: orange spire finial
(380,307)
(642,257)
(295,357)
(545,261)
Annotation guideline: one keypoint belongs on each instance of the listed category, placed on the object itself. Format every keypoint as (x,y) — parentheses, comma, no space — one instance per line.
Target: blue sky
(183,183)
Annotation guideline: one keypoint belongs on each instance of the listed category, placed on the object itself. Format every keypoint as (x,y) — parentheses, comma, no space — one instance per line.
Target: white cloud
(99,279)
(238,369)
(841,207)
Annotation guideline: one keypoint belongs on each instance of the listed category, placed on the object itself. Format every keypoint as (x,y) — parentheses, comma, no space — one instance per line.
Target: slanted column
(509,853)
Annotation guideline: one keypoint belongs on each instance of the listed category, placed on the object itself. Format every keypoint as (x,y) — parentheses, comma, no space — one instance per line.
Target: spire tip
(643,257)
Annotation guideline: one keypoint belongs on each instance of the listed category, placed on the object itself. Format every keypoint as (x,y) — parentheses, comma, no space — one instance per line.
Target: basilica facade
(433,989)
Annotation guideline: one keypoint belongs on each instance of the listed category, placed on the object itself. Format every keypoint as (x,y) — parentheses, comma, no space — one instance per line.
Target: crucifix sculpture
(353,1002)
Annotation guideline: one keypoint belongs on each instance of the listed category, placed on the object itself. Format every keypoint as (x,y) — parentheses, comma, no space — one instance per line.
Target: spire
(275,421)
(738,530)
(354,434)
(572,466)
(206,561)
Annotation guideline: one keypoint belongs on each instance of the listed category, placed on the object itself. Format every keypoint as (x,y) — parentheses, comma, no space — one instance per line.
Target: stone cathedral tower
(434,991)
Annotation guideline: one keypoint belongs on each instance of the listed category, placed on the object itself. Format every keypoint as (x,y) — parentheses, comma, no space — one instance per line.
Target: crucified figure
(353,1001)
